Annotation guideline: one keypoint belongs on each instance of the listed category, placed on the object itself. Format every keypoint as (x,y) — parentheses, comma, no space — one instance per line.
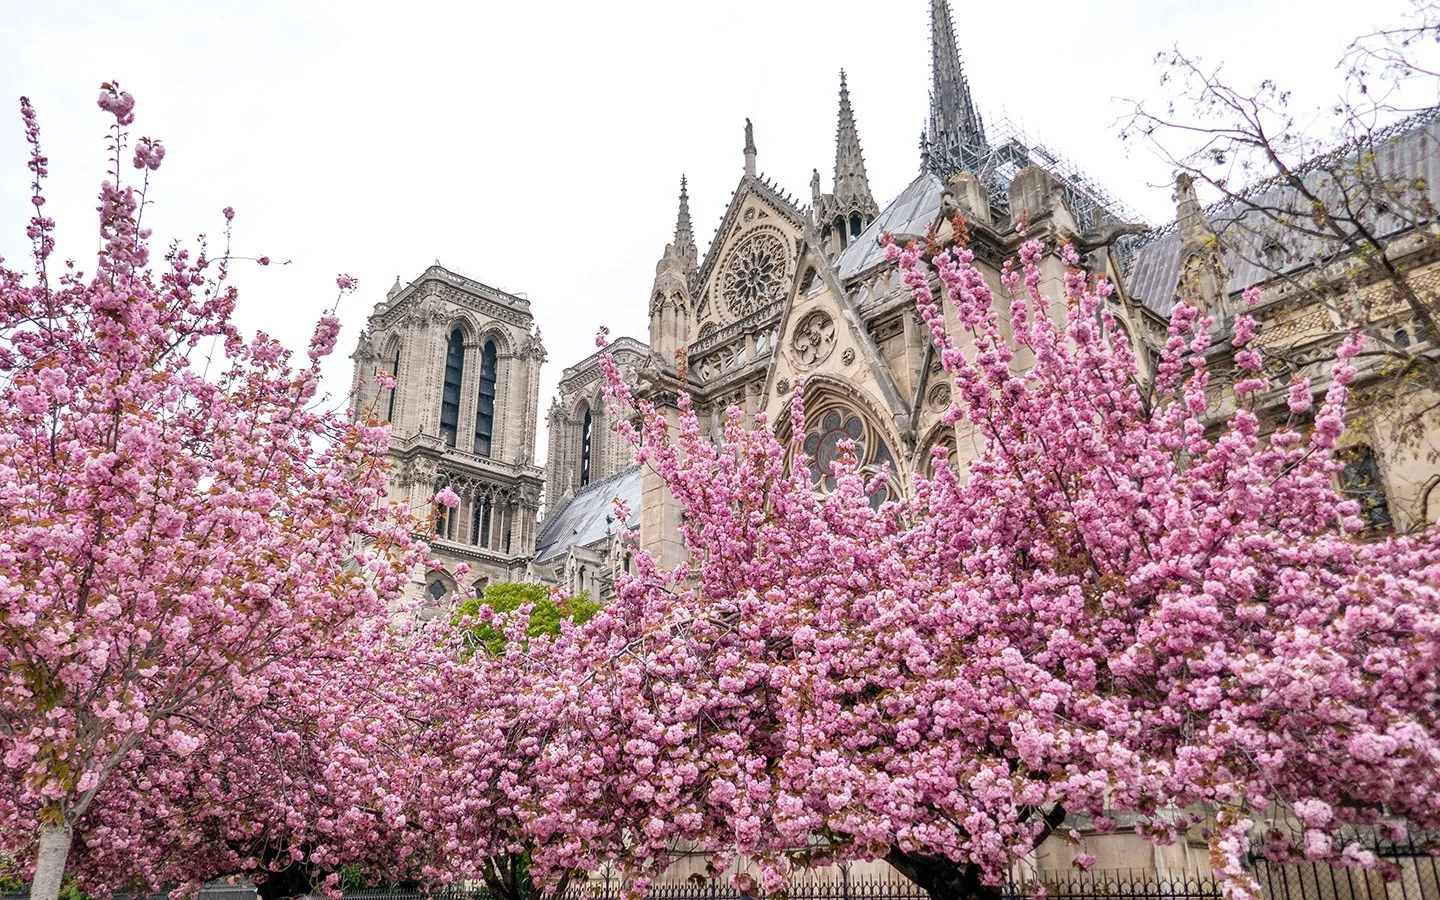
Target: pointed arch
(587,442)
(485,400)
(450,392)
(390,359)
(835,412)
(939,435)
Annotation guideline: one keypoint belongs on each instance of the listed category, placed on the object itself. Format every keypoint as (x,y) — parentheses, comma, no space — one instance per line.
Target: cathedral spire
(955,137)
(684,245)
(852,187)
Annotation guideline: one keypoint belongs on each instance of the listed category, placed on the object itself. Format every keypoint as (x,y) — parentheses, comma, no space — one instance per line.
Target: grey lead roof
(1411,151)
(589,515)
(912,212)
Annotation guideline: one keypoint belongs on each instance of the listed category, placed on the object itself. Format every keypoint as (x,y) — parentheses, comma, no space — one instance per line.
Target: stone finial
(683,247)
(1204,280)
(1035,194)
(971,197)
(852,187)
(395,289)
(749,149)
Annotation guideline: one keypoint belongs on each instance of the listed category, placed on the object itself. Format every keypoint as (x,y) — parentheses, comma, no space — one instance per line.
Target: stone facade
(786,295)
(466,361)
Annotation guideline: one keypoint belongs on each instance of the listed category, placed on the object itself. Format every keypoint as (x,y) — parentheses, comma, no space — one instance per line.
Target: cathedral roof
(912,212)
(589,516)
(1408,149)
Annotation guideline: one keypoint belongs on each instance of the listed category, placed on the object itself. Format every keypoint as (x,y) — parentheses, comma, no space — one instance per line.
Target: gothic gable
(752,261)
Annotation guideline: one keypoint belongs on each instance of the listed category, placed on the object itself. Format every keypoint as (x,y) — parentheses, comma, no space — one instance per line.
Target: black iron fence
(1412,866)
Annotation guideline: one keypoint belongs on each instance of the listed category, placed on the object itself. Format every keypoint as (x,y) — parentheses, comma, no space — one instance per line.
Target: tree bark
(294,880)
(50,861)
(941,878)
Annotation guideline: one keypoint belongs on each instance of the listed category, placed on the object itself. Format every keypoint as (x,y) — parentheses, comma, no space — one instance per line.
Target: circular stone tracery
(755,273)
(823,445)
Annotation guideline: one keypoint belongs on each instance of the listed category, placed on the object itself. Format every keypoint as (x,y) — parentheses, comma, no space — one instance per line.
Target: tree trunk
(941,878)
(294,880)
(50,861)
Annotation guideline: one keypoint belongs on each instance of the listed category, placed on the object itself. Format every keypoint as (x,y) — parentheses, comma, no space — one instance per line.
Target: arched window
(1360,481)
(948,442)
(586,435)
(395,388)
(823,445)
(856,226)
(480,522)
(840,229)
(450,398)
(437,592)
(485,406)
(442,520)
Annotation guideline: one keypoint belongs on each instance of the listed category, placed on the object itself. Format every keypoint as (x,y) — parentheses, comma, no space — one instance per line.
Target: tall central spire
(955,137)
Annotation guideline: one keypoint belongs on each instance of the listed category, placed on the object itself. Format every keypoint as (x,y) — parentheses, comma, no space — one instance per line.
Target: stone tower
(671,299)
(466,361)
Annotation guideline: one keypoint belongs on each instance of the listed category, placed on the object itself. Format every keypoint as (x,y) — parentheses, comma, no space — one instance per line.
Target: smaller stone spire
(684,245)
(852,187)
(749,149)
(1204,280)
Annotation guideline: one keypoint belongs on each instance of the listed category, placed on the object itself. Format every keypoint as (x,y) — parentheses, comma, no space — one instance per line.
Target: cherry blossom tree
(188,534)
(1118,606)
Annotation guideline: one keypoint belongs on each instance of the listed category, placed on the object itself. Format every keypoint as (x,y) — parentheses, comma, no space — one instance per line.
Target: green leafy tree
(548,608)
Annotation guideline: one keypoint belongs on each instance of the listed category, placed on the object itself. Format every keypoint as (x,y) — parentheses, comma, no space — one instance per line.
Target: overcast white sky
(538,147)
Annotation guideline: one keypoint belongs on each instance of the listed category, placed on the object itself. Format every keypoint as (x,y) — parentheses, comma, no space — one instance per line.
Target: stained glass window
(826,444)
(485,403)
(1360,481)
(395,374)
(450,397)
(585,439)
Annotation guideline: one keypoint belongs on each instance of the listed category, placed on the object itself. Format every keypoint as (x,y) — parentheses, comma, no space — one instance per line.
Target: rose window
(825,445)
(755,274)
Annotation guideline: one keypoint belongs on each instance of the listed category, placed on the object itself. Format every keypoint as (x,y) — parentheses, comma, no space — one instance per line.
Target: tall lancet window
(395,388)
(856,226)
(485,407)
(480,523)
(450,399)
(585,443)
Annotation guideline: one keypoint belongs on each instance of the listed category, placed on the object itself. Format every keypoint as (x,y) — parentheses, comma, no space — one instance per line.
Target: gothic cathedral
(785,294)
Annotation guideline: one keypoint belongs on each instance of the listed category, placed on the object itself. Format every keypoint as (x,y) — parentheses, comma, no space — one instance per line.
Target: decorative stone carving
(939,396)
(847,356)
(814,338)
(783,386)
(756,273)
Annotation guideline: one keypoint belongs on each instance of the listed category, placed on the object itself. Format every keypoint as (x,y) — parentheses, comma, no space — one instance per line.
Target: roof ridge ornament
(749,149)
